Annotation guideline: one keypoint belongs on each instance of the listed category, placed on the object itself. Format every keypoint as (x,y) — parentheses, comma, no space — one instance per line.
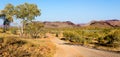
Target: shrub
(73,37)
(13,30)
(100,40)
(34,29)
(68,35)
(111,40)
(57,33)
(13,41)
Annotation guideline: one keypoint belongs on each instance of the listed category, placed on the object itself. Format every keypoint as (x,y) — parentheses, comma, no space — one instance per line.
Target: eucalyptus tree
(26,12)
(7,15)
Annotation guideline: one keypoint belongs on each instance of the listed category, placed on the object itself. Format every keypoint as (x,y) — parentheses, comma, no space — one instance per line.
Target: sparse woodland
(21,41)
(31,40)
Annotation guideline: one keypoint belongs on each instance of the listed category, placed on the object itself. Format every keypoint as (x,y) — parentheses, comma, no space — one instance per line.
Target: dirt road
(65,50)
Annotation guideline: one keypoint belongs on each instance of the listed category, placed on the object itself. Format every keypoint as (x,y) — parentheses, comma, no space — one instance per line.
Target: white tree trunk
(22,29)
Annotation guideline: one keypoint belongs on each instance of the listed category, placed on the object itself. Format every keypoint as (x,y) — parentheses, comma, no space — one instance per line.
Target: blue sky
(77,11)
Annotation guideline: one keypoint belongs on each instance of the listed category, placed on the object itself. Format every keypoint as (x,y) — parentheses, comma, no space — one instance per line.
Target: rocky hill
(59,24)
(105,23)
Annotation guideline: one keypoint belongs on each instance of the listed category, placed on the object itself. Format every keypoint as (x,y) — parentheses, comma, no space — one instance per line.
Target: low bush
(13,41)
(34,29)
(73,37)
(111,40)
(13,30)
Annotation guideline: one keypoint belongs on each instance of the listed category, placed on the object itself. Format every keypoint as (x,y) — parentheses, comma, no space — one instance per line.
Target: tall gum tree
(7,15)
(26,12)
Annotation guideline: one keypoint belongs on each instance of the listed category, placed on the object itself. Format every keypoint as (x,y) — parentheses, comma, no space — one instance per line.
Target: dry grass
(13,46)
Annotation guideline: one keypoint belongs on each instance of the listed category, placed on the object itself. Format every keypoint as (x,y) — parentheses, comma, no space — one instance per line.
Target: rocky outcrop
(105,23)
(59,24)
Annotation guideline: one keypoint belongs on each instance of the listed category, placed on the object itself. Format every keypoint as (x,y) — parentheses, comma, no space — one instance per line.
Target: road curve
(65,50)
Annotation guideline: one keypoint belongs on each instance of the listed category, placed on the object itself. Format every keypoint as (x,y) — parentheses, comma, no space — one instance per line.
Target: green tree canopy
(27,12)
(9,12)
(7,15)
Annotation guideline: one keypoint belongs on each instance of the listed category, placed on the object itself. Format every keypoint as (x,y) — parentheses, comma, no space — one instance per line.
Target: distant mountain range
(103,23)
(69,24)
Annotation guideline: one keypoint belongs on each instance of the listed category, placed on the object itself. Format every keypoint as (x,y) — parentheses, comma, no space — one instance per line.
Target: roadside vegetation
(11,45)
(93,37)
